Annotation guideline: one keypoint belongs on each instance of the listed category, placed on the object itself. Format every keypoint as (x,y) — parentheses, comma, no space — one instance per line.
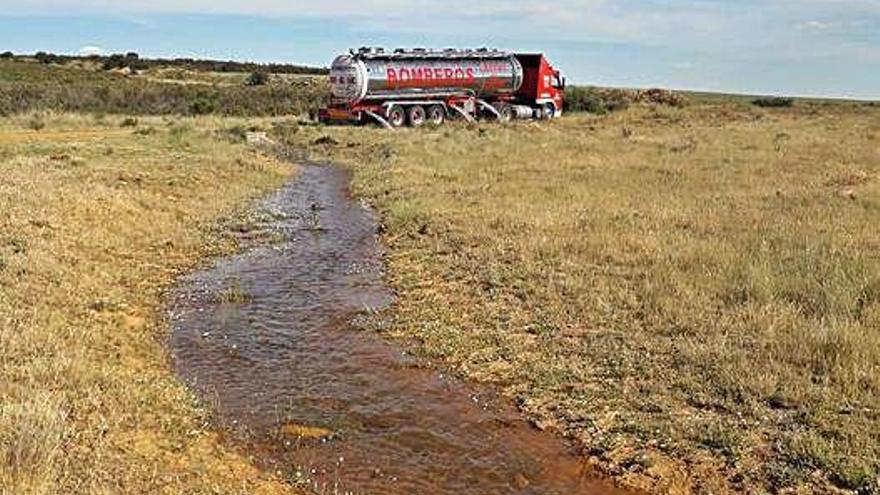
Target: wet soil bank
(267,338)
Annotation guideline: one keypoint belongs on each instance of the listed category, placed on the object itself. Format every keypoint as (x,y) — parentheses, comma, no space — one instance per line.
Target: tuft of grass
(234,293)
(31,433)
(722,440)
(808,452)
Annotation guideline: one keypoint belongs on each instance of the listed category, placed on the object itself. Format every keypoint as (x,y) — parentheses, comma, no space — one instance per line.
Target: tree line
(134,61)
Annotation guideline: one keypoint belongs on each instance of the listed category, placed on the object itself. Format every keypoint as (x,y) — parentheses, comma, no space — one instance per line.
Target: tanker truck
(419,86)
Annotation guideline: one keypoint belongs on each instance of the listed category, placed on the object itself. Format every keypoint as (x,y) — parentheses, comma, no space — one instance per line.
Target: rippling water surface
(265,337)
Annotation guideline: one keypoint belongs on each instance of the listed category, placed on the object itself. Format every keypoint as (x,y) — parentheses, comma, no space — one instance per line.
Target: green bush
(594,100)
(47,58)
(203,104)
(119,61)
(257,78)
(7,55)
(582,99)
(773,102)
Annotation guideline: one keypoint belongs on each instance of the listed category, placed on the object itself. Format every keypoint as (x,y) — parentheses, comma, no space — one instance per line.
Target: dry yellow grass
(95,223)
(79,135)
(693,294)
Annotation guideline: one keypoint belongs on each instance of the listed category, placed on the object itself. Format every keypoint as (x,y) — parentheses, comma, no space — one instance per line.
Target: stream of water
(266,338)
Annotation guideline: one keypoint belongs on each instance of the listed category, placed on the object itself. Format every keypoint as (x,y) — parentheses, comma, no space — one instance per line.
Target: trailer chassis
(400,112)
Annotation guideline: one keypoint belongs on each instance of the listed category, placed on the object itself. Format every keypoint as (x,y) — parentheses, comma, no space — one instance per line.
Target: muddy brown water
(266,338)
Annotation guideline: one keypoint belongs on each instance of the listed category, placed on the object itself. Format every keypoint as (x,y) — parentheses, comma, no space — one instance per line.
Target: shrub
(46,58)
(258,78)
(129,122)
(203,104)
(595,100)
(7,55)
(618,99)
(36,123)
(581,99)
(115,61)
(662,97)
(773,102)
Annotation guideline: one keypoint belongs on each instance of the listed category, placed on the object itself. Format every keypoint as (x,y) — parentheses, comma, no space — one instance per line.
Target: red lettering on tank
(391,77)
(458,75)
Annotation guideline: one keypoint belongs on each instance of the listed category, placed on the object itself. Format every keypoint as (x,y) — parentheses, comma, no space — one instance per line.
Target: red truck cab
(542,86)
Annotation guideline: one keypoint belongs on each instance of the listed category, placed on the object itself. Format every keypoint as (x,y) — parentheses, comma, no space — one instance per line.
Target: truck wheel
(436,114)
(416,115)
(549,111)
(396,116)
(505,113)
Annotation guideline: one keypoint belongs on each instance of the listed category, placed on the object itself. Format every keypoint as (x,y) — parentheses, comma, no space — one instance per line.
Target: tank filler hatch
(371,53)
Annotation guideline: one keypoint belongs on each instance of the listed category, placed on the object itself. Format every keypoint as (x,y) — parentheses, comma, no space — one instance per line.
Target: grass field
(97,220)
(693,294)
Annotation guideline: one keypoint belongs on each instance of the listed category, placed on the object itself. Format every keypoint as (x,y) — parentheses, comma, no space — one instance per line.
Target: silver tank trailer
(370,75)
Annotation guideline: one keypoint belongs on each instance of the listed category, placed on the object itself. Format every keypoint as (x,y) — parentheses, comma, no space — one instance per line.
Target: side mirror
(559,82)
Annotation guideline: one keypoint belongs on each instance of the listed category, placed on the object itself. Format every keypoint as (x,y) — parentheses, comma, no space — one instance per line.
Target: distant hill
(133,61)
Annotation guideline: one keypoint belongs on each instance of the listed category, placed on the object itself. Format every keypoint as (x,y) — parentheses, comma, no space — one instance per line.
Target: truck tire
(505,113)
(416,116)
(436,115)
(396,116)
(548,111)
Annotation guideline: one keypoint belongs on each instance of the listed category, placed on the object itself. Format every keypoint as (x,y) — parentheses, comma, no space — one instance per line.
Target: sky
(793,47)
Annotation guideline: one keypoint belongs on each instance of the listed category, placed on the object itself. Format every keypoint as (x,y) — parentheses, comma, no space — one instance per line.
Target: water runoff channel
(266,338)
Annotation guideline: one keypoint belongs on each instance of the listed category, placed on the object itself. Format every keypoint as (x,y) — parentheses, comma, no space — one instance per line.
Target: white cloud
(812,26)
(91,50)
